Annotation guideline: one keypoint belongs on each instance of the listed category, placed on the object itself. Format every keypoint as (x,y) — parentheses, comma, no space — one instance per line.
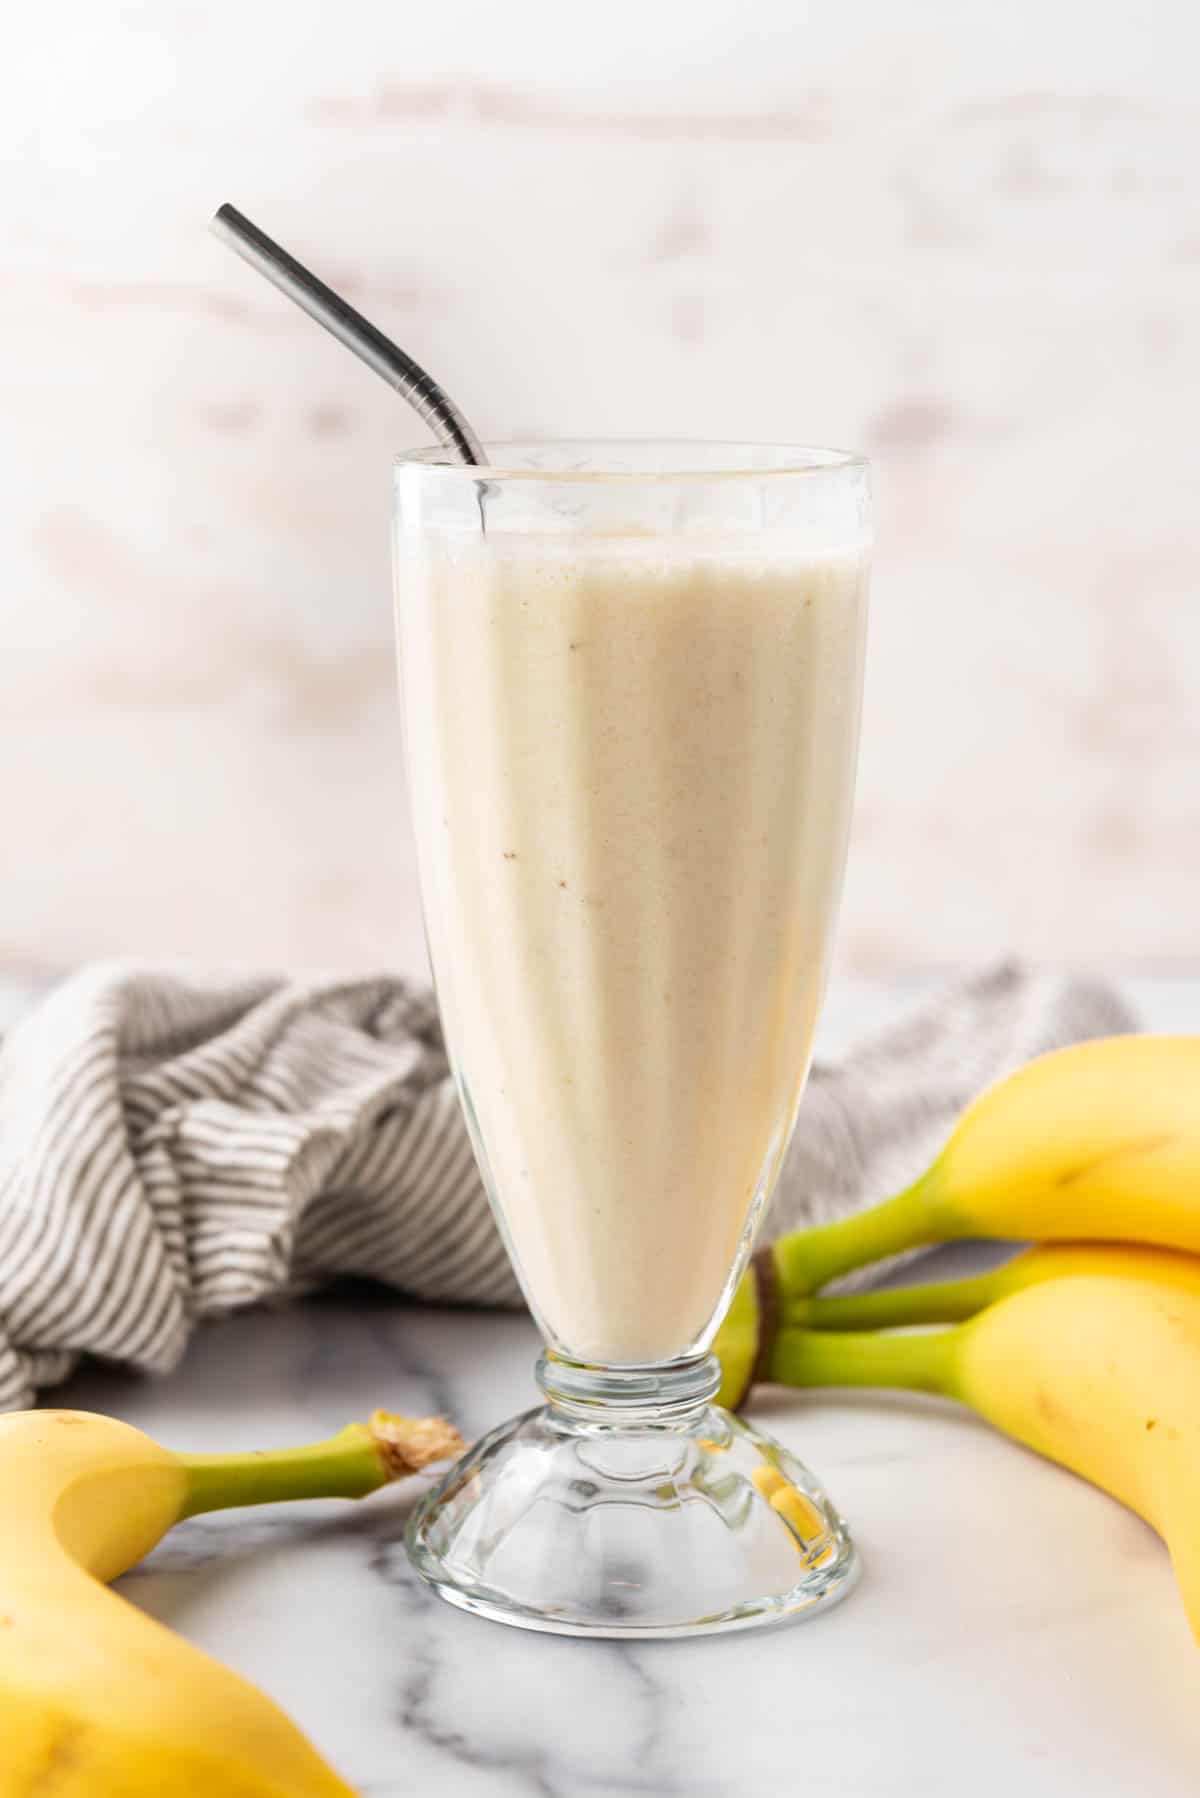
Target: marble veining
(1011,1623)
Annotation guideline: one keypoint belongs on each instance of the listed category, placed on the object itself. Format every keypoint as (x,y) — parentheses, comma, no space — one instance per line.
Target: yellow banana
(746,1337)
(950,1301)
(1099,1372)
(96,1698)
(1098,1141)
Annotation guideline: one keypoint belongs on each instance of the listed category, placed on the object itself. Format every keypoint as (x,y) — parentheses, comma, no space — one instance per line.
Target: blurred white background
(964,238)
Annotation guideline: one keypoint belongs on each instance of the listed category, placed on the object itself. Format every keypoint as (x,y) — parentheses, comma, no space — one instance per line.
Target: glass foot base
(642,1524)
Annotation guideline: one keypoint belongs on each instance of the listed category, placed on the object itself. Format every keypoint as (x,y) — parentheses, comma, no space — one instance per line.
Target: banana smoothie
(634,763)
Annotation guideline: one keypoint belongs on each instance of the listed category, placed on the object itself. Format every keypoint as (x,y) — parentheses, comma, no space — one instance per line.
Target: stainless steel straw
(379,353)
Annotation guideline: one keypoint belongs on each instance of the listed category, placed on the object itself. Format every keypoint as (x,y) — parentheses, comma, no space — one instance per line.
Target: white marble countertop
(1014,1629)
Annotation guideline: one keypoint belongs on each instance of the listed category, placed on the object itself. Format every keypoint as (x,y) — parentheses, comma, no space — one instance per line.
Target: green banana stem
(777,1288)
(937,1302)
(808,1259)
(358,1460)
(921,1362)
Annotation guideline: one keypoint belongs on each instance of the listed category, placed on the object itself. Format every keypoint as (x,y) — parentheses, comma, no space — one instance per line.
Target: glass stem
(670,1396)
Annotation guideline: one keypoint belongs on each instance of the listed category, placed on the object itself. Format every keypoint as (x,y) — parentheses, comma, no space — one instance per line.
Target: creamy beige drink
(634,762)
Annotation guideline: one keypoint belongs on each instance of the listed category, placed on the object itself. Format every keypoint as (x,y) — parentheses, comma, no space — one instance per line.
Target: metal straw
(379,353)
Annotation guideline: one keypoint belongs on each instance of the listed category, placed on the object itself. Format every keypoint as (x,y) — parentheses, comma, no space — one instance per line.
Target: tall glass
(631,677)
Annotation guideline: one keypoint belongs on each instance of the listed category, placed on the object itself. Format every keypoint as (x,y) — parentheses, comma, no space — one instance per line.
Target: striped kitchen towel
(173,1148)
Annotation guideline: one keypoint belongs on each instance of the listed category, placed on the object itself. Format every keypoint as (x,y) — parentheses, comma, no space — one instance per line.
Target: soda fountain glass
(631,678)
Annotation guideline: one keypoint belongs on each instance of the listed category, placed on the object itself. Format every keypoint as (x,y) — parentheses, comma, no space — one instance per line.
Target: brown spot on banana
(63,1762)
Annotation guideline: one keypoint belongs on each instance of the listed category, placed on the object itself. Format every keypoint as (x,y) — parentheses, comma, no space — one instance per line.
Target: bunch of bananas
(1087,1346)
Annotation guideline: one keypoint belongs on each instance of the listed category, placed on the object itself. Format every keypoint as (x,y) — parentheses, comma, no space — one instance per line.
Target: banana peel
(98,1699)
(1097,1142)
(1098,1372)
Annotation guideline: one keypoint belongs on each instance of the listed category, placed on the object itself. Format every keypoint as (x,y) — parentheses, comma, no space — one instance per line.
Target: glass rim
(796,461)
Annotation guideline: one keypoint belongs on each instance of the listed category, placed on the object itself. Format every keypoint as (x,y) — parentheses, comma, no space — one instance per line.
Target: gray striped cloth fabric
(173,1148)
